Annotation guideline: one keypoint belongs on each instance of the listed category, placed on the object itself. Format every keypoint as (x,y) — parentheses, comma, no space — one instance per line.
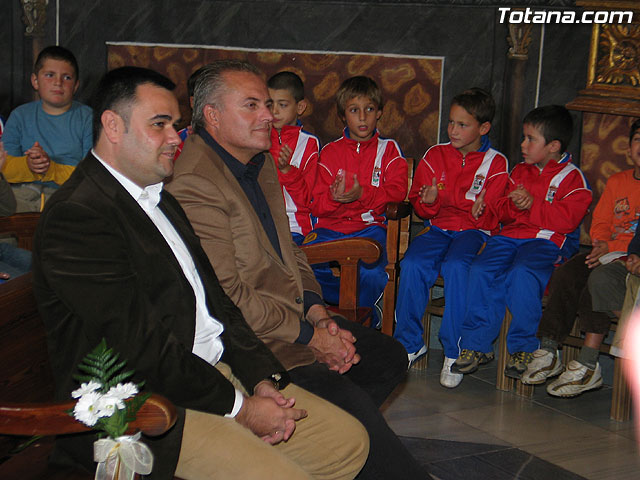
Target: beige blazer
(268,290)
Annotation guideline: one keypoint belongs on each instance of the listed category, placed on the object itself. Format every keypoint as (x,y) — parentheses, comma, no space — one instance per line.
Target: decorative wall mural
(605,143)
(411,85)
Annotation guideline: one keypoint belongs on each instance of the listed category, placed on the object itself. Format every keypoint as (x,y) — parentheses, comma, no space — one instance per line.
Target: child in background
(14,261)
(294,151)
(591,285)
(451,186)
(547,199)
(188,130)
(46,139)
(358,174)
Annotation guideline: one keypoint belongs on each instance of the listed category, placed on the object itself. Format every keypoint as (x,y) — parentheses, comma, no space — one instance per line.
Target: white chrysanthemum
(86,388)
(107,404)
(123,391)
(87,409)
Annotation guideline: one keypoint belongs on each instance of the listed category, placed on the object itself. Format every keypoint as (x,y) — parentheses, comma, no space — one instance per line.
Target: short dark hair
(287,81)
(210,85)
(56,52)
(359,86)
(554,123)
(478,102)
(191,82)
(117,91)
(635,126)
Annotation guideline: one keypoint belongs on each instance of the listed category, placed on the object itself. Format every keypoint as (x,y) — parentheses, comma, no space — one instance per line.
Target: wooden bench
(26,383)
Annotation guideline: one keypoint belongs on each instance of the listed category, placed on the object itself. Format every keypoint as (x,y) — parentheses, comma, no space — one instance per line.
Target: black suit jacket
(102,269)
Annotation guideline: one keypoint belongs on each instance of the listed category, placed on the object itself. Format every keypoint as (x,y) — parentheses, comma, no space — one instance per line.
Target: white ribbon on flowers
(121,458)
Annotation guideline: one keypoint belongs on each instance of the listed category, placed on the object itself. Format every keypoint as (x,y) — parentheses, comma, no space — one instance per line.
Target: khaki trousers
(31,197)
(327,444)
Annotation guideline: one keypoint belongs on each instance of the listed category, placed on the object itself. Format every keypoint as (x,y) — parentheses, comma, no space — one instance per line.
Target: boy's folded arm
(424,210)
(323,204)
(497,186)
(563,215)
(393,188)
(58,173)
(16,170)
(296,186)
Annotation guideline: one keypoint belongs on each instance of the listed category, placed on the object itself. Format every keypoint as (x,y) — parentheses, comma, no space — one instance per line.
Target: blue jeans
(13,260)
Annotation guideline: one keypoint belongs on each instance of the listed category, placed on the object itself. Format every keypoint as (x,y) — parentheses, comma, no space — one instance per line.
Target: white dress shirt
(207,343)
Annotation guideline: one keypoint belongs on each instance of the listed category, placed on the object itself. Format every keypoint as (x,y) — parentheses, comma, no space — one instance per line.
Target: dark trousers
(361,391)
(569,296)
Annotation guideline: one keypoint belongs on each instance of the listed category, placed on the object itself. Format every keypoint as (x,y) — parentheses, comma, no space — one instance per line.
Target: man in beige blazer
(228,187)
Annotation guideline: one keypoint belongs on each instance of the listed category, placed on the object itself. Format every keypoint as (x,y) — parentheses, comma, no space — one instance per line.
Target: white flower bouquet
(107,405)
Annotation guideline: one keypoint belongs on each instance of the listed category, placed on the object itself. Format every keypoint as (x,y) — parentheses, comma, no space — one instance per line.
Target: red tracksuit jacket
(297,184)
(460,179)
(561,197)
(381,171)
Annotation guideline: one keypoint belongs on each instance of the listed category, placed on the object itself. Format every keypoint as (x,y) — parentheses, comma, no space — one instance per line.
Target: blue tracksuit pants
(372,277)
(434,252)
(512,273)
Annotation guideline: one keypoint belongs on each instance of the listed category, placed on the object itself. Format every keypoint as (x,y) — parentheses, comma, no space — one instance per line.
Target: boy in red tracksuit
(358,174)
(545,202)
(451,185)
(294,151)
(591,285)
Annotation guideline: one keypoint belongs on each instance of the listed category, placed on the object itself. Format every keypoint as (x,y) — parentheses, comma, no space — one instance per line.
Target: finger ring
(277,432)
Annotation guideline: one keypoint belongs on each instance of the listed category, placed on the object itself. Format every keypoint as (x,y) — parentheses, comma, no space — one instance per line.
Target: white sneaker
(576,379)
(448,379)
(544,365)
(415,356)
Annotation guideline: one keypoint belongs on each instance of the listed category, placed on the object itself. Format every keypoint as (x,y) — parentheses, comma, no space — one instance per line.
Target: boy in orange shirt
(591,285)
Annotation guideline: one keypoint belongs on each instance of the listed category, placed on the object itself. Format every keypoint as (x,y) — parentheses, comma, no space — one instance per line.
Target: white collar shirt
(207,343)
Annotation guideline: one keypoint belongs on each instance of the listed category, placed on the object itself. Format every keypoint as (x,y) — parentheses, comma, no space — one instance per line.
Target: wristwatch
(276,378)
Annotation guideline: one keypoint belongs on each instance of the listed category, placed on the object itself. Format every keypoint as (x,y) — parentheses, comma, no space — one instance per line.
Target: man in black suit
(116,257)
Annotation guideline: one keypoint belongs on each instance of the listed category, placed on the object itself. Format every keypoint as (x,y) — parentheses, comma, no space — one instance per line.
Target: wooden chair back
(347,253)
(398,233)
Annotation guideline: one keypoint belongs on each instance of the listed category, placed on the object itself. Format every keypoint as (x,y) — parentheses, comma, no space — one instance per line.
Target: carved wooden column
(519,39)
(34,18)
(611,99)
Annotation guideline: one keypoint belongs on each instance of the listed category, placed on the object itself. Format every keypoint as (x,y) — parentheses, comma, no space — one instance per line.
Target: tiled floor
(575,434)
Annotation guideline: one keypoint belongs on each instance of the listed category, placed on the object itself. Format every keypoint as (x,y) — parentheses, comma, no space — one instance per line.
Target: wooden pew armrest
(347,251)
(155,417)
(398,210)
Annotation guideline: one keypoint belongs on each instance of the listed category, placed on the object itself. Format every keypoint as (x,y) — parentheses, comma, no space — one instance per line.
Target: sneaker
(543,365)
(417,355)
(517,364)
(448,379)
(470,360)
(577,378)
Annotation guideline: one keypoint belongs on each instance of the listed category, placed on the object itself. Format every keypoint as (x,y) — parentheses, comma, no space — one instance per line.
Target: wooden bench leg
(389,301)
(423,363)
(621,396)
(503,382)
(570,352)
